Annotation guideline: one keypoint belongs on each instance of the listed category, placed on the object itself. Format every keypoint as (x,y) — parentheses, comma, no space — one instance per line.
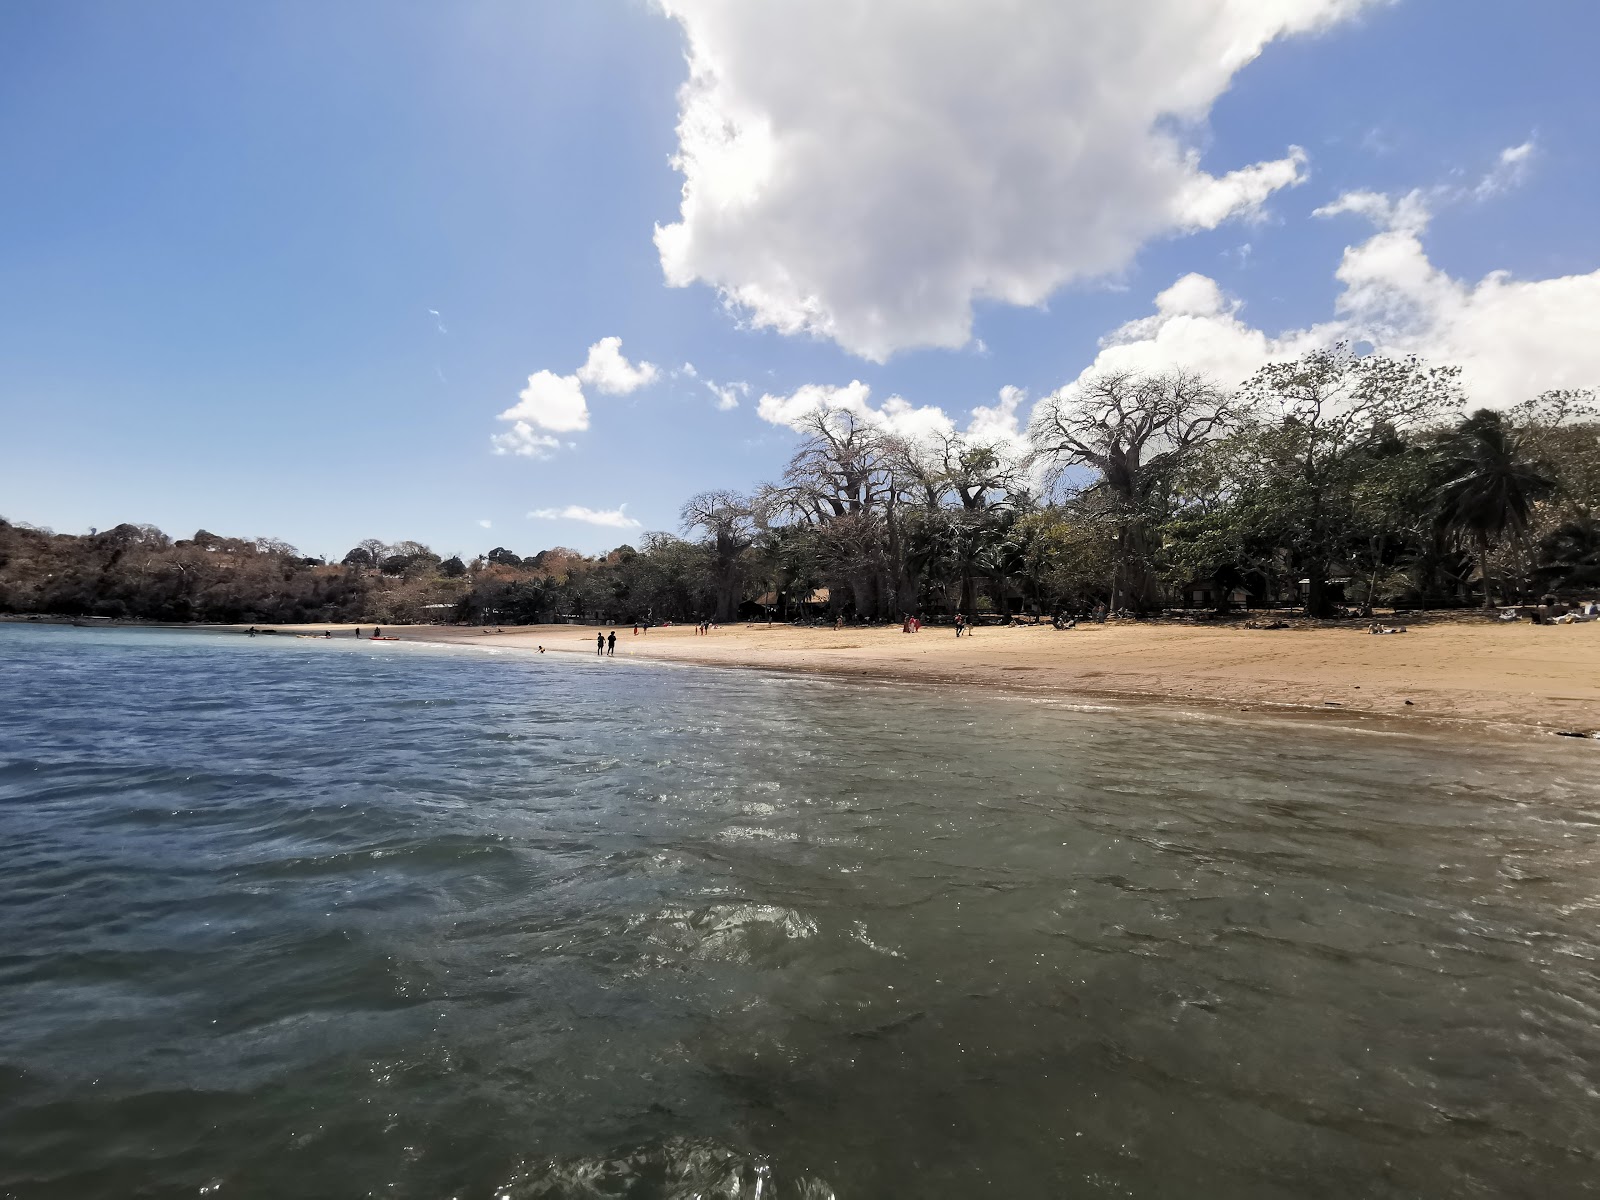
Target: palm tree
(1489,489)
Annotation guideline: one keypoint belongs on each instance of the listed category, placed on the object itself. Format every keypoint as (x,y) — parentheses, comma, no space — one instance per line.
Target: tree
(1570,555)
(1312,428)
(453,567)
(1490,486)
(728,521)
(376,549)
(1135,431)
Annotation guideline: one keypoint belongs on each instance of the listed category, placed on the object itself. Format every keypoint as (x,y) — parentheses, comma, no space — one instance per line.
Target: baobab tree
(728,523)
(1134,430)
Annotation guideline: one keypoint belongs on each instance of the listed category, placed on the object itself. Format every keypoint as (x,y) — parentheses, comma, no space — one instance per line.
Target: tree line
(1338,481)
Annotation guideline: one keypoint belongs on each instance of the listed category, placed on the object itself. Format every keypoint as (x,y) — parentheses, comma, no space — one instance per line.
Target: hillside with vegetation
(1334,483)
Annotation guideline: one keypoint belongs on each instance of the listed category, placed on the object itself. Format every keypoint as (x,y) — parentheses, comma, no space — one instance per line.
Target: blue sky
(224,227)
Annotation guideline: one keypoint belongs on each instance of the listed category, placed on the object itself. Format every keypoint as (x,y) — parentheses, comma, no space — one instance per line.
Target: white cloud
(728,394)
(1410,213)
(1512,338)
(550,401)
(522,440)
(897,414)
(613,518)
(1205,201)
(486,524)
(556,403)
(865,170)
(608,372)
(1510,170)
(999,424)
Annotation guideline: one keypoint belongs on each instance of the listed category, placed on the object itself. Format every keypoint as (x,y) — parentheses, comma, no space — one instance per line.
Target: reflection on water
(301,919)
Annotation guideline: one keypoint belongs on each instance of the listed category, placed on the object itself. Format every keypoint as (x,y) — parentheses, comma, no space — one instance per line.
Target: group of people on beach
(603,644)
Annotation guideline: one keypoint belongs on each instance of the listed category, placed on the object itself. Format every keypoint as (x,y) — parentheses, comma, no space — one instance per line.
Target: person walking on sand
(611,645)
(961,624)
(599,643)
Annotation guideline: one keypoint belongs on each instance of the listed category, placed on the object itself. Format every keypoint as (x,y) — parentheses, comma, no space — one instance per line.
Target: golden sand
(1465,670)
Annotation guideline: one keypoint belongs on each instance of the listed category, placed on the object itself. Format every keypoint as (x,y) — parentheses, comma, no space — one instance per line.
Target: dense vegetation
(1334,480)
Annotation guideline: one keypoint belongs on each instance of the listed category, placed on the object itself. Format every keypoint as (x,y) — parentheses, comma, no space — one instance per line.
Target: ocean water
(293,919)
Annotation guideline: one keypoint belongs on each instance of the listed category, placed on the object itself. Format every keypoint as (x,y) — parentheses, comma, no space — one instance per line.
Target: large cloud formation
(866,170)
(1512,338)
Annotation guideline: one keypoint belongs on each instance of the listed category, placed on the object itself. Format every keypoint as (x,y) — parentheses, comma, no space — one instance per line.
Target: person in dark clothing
(599,643)
(611,643)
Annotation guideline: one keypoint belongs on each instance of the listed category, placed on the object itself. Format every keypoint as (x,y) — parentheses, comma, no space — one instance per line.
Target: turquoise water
(286,918)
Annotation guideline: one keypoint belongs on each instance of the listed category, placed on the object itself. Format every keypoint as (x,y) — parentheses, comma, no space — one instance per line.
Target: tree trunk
(1318,603)
(1482,540)
(1141,593)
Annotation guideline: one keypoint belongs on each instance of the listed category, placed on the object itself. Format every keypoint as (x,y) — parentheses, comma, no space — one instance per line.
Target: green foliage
(1334,467)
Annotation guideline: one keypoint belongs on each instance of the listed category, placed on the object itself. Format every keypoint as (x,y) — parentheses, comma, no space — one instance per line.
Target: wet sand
(1461,671)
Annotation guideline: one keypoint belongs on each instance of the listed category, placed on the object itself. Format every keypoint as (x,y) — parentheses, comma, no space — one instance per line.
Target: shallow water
(285,918)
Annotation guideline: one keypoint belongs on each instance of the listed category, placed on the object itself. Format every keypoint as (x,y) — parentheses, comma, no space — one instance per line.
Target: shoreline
(1461,674)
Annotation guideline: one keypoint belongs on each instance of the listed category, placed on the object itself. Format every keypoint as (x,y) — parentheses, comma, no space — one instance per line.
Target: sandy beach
(1460,671)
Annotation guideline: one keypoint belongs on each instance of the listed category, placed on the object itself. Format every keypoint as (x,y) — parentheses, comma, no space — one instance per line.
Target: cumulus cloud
(607,371)
(486,524)
(551,401)
(1412,212)
(1408,213)
(897,415)
(523,440)
(999,424)
(865,170)
(1512,338)
(557,404)
(612,518)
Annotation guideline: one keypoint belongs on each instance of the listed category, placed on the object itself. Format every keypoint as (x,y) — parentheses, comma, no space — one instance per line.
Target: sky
(532,273)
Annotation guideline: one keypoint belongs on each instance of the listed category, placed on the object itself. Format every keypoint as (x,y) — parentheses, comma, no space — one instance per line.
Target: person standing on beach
(611,644)
(961,624)
(599,643)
